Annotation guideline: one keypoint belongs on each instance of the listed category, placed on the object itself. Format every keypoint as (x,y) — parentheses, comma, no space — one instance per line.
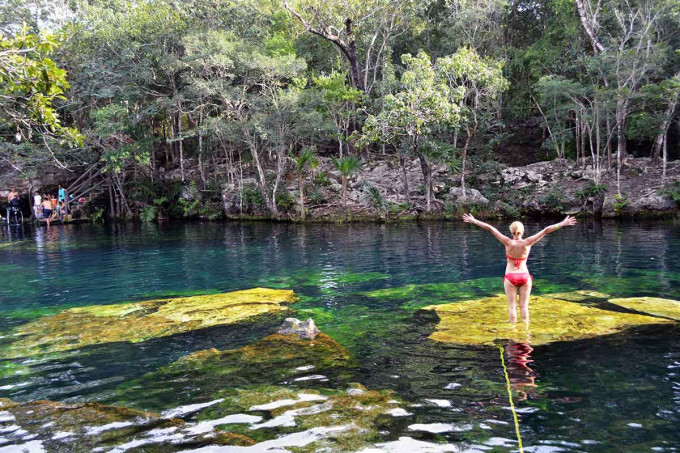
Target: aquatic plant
(140,321)
(484,321)
(651,305)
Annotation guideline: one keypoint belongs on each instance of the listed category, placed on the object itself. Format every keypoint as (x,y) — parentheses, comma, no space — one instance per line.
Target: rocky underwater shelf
(291,389)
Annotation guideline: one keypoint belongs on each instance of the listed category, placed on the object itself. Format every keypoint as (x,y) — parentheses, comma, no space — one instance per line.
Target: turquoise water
(614,393)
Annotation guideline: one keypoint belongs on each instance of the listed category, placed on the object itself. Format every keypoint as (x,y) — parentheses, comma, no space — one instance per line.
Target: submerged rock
(293,326)
(86,427)
(655,306)
(349,419)
(272,360)
(484,321)
(141,321)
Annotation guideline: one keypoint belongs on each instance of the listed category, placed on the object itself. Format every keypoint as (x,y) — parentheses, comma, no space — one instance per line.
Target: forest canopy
(155,98)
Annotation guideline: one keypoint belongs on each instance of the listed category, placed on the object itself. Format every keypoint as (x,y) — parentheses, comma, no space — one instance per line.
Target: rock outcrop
(140,321)
(485,321)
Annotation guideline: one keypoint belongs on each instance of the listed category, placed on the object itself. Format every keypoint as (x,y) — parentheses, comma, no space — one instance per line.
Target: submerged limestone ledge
(272,360)
(141,321)
(309,420)
(484,321)
(86,427)
(655,306)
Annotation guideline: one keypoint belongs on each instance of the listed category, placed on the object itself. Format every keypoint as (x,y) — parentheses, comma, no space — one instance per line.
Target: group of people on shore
(45,206)
(48,207)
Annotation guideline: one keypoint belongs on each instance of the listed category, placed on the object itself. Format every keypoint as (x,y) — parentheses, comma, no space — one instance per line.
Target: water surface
(616,392)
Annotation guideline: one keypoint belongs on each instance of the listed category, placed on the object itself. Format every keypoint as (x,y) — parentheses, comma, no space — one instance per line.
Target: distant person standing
(47,209)
(61,194)
(37,204)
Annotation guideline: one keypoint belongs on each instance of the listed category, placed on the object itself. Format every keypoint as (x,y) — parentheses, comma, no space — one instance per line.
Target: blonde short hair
(515,226)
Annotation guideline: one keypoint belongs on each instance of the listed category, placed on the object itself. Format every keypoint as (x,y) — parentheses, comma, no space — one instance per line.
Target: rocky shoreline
(543,189)
(375,194)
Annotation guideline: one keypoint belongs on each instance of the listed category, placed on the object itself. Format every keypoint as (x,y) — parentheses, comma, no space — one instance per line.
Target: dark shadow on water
(91,372)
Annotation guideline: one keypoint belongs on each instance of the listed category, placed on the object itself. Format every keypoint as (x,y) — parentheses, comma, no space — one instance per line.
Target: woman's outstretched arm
(568,221)
(468,218)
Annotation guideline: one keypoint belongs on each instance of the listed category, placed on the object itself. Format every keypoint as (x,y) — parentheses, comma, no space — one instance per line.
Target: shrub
(620,203)
(553,200)
(316,195)
(672,191)
(591,189)
(322,179)
(372,194)
(252,197)
(148,213)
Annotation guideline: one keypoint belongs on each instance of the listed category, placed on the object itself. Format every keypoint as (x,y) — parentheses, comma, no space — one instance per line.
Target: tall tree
(360,30)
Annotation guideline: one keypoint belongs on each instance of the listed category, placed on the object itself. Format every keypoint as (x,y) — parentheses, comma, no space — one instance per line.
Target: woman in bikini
(517,280)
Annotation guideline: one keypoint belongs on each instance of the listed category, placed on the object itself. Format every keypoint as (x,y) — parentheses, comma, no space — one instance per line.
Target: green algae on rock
(579,296)
(84,427)
(484,321)
(140,321)
(654,306)
(418,295)
(271,360)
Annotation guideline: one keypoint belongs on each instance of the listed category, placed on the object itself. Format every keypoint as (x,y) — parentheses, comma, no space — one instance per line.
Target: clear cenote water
(613,393)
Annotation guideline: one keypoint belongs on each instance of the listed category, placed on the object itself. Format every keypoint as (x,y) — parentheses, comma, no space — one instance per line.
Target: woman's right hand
(468,218)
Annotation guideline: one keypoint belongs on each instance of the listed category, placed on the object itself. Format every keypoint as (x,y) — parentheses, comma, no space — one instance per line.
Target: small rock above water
(293,326)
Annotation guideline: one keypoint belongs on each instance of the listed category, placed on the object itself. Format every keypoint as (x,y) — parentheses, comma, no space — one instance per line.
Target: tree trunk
(608,145)
(344,192)
(200,149)
(427,174)
(404,172)
(621,106)
(665,158)
(583,143)
(260,172)
(468,139)
(31,201)
(577,136)
(663,131)
(355,67)
(280,168)
(596,161)
(302,196)
(179,143)
(589,27)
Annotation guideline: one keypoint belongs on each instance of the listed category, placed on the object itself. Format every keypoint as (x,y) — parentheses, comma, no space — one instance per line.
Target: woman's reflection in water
(522,376)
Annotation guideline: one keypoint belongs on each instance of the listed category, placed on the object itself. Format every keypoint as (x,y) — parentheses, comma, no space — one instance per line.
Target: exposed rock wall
(550,188)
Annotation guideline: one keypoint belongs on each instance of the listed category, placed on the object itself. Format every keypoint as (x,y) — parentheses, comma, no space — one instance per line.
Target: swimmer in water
(517,280)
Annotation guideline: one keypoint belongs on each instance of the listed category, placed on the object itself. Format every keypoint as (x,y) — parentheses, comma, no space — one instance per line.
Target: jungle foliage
(250,94)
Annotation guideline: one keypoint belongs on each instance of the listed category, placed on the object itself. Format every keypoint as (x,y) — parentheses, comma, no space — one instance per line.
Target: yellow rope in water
(512,403)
